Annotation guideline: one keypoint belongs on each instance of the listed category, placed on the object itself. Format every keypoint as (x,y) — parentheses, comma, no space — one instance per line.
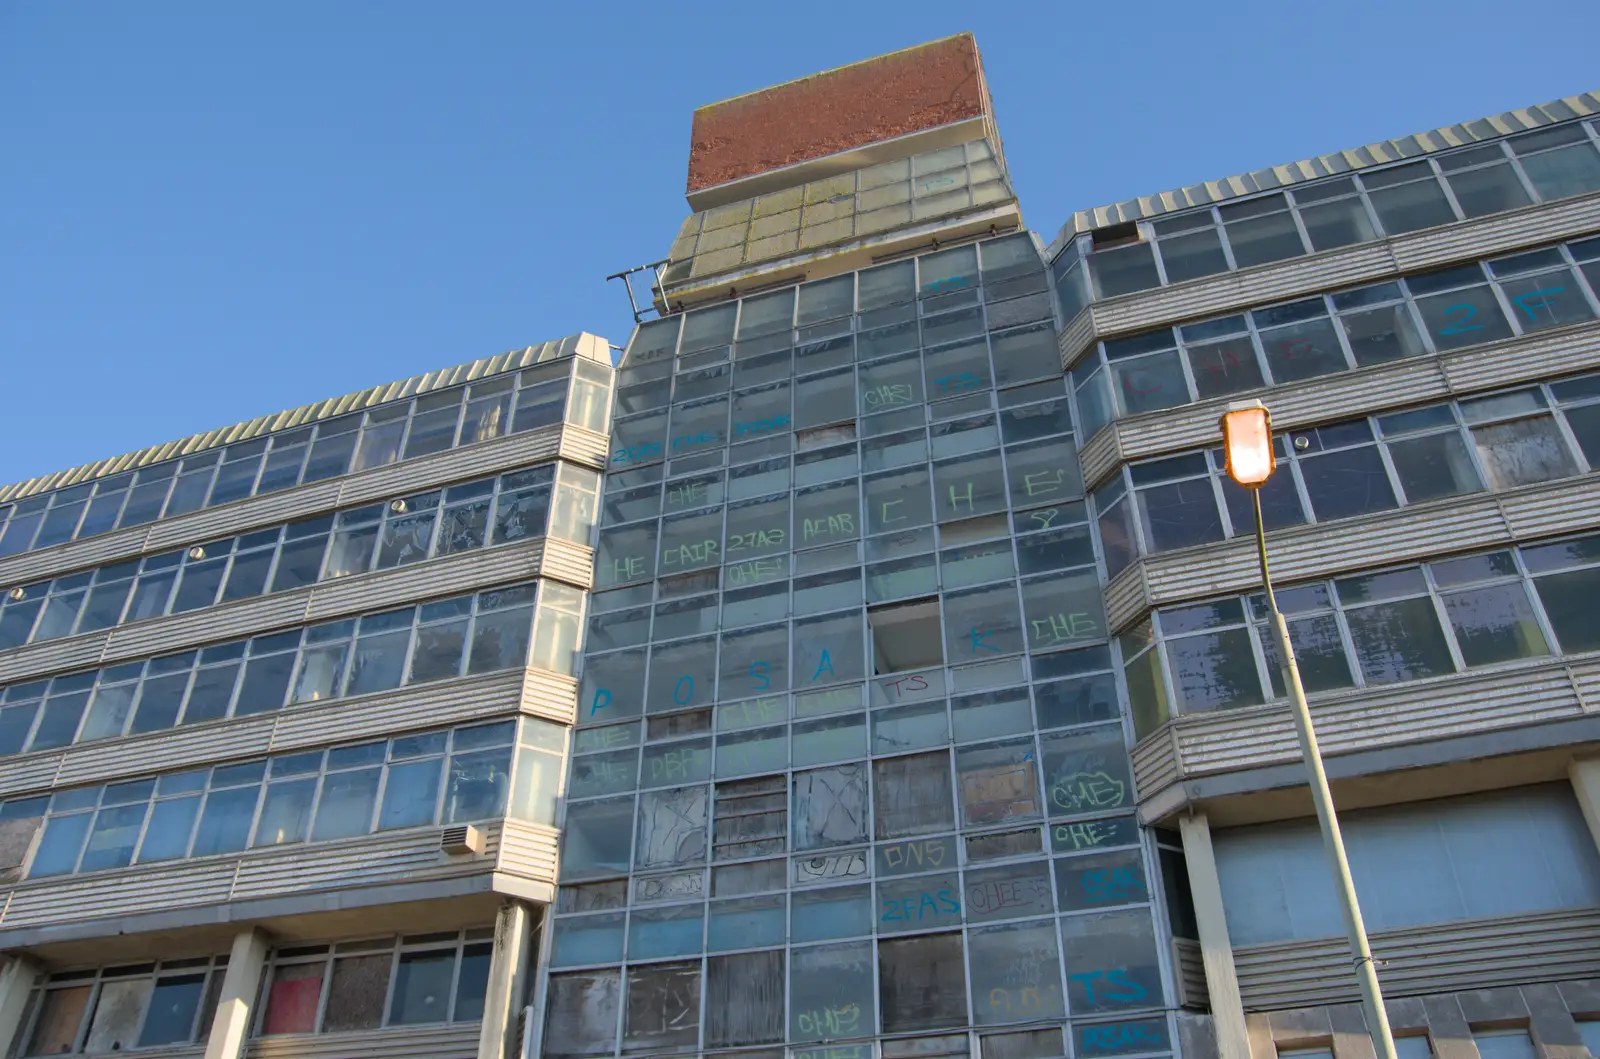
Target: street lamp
(1247,440)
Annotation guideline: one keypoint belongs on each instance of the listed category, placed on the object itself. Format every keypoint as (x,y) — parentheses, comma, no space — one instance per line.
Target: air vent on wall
(459,841)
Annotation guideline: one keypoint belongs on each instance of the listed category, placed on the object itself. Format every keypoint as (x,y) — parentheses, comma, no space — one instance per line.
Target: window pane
(1378,336)
(1463,318)
(1434,466)
(1086,771)
(745,998)
(171,823)
(1494,624)
(1523,451)
(422,987)
(1123,270)
(597,839)
(1149,383)
(663,1008)
(56,1030)
(117,1012)
(1258,240)
(1016,973)
(1303,351)
(356,992)
(1347,483)
(1491,189)
(1550,300)
(1111,961)
(225,823)
(831,992)
(1193,255)
(1571,170)
(173,1006)
(1225,367)
(478,785)
(829,807)
(1399,641)
(1569,601)
(345,808)
(1318,650)
(1214,671)
(286,813)
(1180,514)
(112,839)
(582,1014)
(1408,207)
(410,794)
(924,983)
(1337,223)
(292,999)
(840,912)
(997,782)
(472,982)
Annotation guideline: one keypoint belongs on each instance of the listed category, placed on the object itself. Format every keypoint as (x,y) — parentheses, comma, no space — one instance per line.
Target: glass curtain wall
(850,763)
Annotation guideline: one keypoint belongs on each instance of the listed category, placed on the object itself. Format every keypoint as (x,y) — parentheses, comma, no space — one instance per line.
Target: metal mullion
(1457,659)
(389,987)
(1558,412)
(1346,638)
(1259,348)
(1443,181)
(1388,466)
(1591,296)
(1339,335)
(272,567)
(322,998)
(1540,616)
(1258,651)
(1505,304)
(1516,169)
(81,1039)
(455,975)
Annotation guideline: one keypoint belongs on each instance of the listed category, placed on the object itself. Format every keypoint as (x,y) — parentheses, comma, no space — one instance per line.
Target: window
(1504,1044)
(231,807)
(428,978)
(831,993)
(119,1008)
(1498,854)
(923,983)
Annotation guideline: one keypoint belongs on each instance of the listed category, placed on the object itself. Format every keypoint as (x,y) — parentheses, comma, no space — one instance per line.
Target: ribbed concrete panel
(402,856)
(1127,596)
(585,446)
(72,555)
(245,617)
(1466,954)
(1541,356)
(1528,226)
(377,859)
(1247,287)
(1101,455)
(1076,337)
(459,1040)
(52,656)
(434,705)
(269,509)
(1393,715)
(426,580)
(528,851)
(313,724)
(1191,974)
(569,563)
(549,695)
(169,751)
(1556,508)
(470,461)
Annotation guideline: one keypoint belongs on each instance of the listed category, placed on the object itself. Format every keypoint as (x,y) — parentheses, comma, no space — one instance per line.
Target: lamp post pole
(1256,466)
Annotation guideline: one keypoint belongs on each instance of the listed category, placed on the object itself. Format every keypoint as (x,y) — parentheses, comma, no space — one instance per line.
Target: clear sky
(210,212)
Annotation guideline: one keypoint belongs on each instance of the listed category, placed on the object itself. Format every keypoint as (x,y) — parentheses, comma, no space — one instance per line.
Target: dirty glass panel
(1523,451)
(744,999)
(838,912)
(116,1015)
(1111,961)
(1214,671)
(56,1030)
(581,1014)
(1016,974)
(672,931)
(356,993)
(1101,880)
(1400,640)
(831,994)
(672,827)
(1494,623)
(663,1007)
(597,838)
(587,939)
(1086,771)
(292,999)
(1318,650)
(919,902)
(923,983)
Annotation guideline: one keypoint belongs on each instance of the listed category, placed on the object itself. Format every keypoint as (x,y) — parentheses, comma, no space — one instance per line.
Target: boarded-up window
(830,807)
(830,992)
(923,983)
(292,999)
(15,838)
(744,999)
(59,1019)
(663,1007)
(998,782)
(356,992)
(1027,1044)
(752,818)
(672,827)
(1016,976)
(582,1014)
(116,1015)
(1004,844)
(912,795)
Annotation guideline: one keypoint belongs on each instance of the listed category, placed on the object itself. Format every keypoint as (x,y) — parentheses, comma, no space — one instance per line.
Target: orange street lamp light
(1247,439)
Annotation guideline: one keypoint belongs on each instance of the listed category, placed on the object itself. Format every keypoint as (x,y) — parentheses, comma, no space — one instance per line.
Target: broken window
(117,1011)
(924,983)
(998,782)
(1016,976)
(830,806)
(1087,770)
(595,840)
(752,818)
(912,795)
(581,1014)
(830,992)
(744,999)
(663,1007)
(672,827)
(905,637)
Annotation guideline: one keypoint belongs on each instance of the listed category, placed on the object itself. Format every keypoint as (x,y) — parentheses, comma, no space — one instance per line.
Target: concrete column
(1227,1009)
(1584,775)
(16,980)
(230,1029)
(508,976)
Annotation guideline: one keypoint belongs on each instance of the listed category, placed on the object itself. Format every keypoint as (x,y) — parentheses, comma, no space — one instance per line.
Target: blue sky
(211,212)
